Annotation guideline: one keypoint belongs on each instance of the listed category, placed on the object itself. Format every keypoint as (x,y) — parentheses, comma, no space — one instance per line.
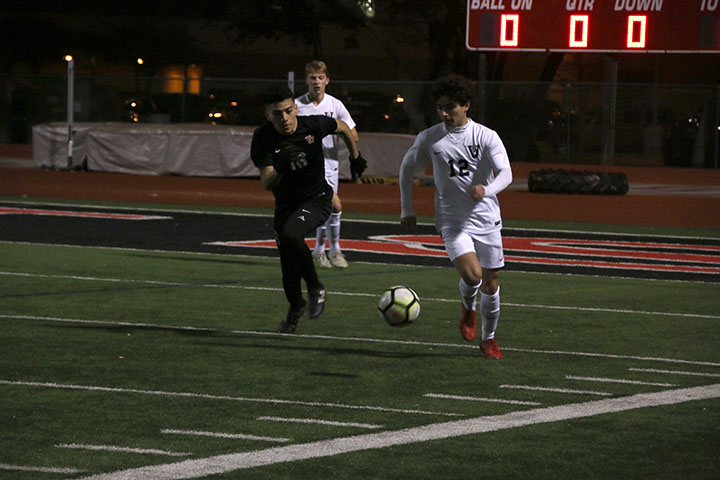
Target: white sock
(469,294)
(490,313)
(333,225)
(321,236)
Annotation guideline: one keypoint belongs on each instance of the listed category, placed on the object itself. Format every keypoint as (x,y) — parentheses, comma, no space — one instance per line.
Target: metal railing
(568,123)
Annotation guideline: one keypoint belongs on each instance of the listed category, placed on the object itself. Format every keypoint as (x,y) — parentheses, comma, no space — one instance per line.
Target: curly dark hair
(458,89)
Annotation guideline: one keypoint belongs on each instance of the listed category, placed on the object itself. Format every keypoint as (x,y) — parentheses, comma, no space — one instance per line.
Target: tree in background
(36,34)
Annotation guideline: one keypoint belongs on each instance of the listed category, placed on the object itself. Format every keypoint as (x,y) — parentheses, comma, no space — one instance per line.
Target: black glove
(357,166)
(289,158)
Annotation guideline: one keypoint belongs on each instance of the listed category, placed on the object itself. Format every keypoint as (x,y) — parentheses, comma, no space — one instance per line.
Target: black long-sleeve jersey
(298,157)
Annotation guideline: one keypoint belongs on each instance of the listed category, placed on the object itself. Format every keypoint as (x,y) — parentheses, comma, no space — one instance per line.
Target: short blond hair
(316,66)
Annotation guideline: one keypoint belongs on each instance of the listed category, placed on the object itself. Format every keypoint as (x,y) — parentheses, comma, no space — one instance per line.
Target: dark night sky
(166,31)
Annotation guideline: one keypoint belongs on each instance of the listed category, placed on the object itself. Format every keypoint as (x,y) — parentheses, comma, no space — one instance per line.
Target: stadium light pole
(291,81)
(70,106)
(138,65)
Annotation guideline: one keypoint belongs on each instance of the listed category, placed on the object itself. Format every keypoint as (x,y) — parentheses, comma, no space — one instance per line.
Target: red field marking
(71,213)
(613,248)
(609,264)
(580,253)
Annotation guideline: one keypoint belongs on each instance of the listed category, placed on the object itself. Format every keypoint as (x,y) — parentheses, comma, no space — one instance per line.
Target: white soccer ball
(399,306)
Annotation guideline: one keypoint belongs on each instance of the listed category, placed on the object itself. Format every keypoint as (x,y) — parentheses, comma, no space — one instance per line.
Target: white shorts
(331,174)
(487,247)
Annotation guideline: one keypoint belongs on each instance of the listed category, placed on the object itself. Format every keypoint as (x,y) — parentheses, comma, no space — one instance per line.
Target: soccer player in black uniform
(288,152)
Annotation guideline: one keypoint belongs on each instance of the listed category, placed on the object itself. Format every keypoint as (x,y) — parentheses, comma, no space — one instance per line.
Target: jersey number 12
(461,170)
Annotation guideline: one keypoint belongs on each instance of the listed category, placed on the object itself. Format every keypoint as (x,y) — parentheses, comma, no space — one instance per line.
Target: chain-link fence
(571,123)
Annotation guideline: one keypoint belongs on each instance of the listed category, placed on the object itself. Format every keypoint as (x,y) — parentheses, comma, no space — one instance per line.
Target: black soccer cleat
(291,319)
(316,302)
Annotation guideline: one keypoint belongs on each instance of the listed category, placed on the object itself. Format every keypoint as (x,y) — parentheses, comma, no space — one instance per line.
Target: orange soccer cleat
(468,324)
(490,349)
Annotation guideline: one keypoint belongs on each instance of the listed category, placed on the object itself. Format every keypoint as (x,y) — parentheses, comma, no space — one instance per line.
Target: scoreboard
(651,26)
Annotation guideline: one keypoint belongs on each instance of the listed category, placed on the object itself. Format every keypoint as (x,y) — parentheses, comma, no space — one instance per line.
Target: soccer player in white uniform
(470,167)
(317,102)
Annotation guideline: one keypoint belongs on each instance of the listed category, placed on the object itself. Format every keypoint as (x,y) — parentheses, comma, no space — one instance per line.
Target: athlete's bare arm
(348,137)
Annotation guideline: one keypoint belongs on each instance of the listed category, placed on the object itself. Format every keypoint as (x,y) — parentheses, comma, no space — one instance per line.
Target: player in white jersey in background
(470,167)
(317,102)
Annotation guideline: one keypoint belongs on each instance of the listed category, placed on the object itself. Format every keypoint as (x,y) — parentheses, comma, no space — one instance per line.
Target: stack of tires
(577,181)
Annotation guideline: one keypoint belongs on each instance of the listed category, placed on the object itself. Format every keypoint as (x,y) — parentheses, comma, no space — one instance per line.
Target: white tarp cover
(50,142)
(183,149)
(187,149)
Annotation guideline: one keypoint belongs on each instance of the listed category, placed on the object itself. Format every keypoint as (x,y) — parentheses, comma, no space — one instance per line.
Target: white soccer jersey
(330,107)
(462,157)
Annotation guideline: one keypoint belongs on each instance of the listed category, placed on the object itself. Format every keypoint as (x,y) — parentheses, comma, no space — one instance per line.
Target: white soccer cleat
(321,260)
(337,259)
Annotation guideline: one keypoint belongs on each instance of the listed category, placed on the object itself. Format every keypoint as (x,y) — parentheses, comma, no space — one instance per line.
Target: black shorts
(299,220)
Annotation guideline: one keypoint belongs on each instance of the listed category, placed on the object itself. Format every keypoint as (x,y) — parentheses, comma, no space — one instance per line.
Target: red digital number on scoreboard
(636,27)
(579,25)
(509,27)
(682,26)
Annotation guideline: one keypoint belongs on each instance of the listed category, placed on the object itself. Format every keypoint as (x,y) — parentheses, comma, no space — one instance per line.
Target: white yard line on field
(556,390)
(243,460)
(674,372)
(479,399)
(356,294)
(105,322)
(611,310)
(31,468)
(619,380)
(114,448)
(355,339)
(275,401)
(610,355)
(316,421)
(235,436)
